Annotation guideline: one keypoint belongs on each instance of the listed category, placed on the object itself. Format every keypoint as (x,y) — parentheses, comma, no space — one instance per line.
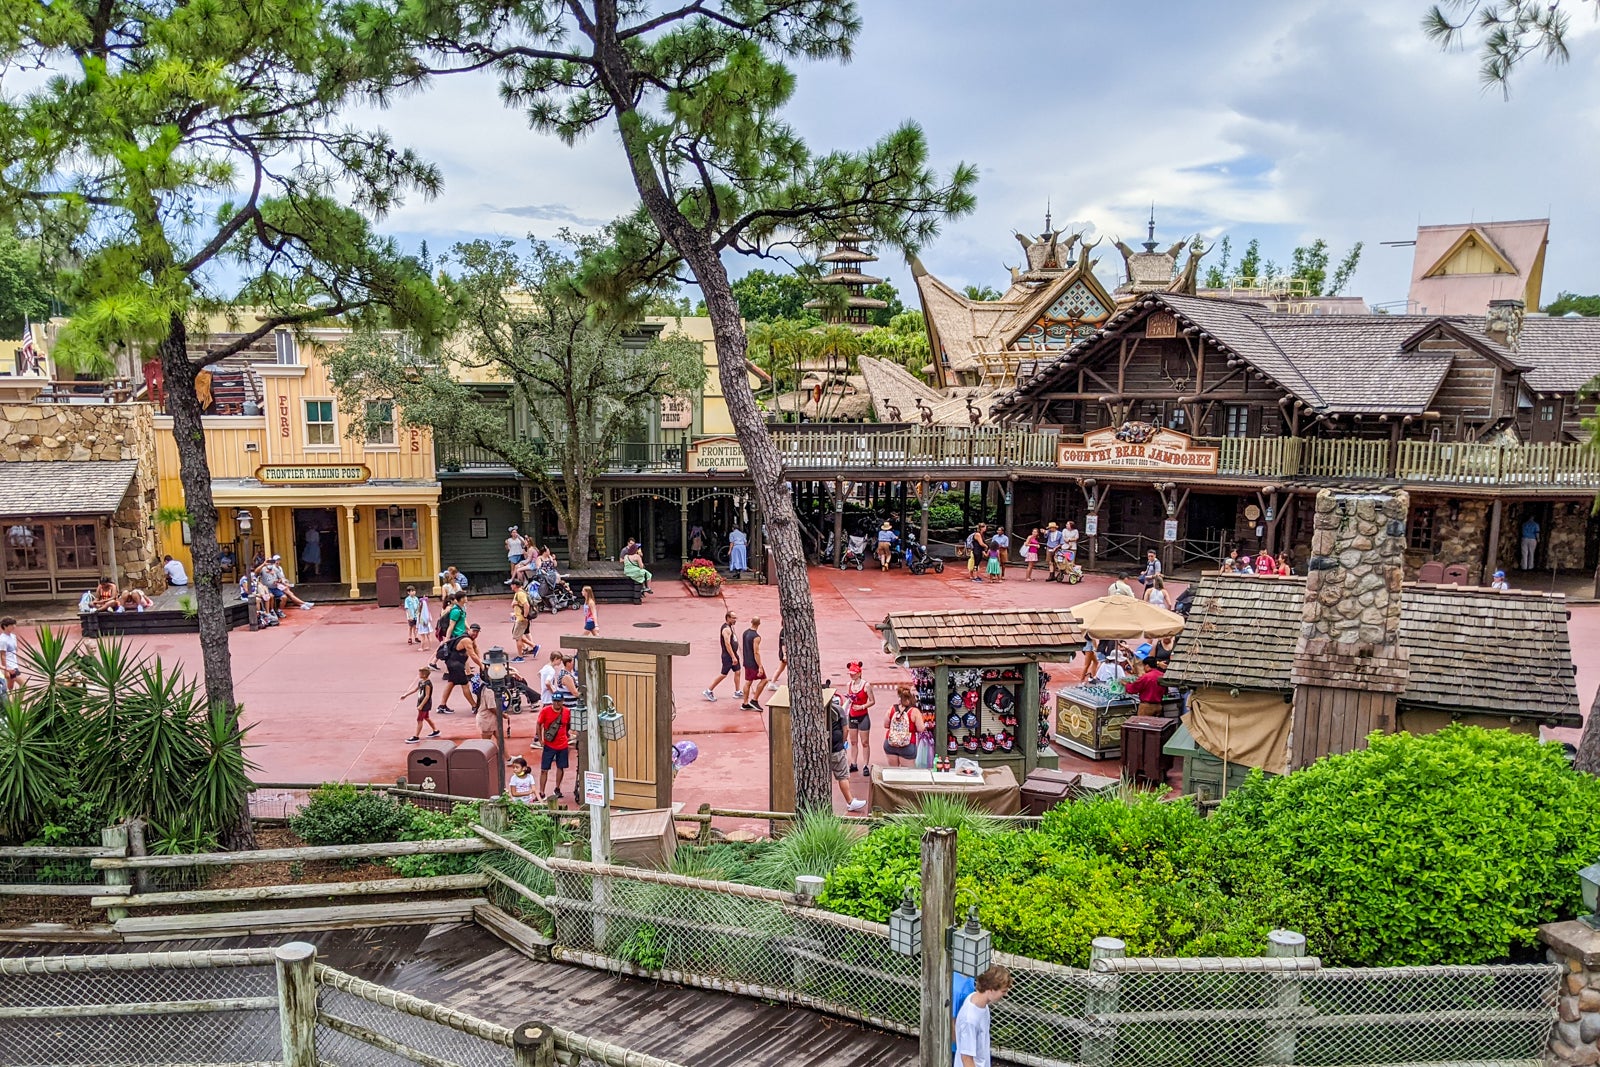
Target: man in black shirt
(755,676)
(727,643)
(839,752)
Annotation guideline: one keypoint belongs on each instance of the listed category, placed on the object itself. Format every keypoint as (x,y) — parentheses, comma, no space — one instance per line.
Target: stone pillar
(350,559)
(434,548)
(1348,666)
(1574,946)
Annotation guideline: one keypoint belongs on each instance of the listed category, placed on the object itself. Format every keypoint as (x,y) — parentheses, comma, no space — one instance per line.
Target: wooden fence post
(1279,1044)
(938,916)
(136,847)
(297,1003)
(1099,1048)
(493,814)
(533,1045)
(116,837)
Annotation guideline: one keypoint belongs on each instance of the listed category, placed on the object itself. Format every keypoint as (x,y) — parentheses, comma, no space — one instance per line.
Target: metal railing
(255,1008)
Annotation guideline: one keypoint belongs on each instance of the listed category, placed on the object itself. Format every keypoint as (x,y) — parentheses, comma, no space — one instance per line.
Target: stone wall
(1575,947)
(1356,567)
(100,432)
(1564,548)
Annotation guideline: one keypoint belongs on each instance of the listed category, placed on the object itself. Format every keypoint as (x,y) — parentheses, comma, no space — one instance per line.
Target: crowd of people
(988,553)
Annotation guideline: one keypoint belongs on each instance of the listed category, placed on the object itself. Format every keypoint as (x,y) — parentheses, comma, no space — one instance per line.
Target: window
(380,422)
(1236,420)
(77,548)
(1547,411)
(1423,526)
(396,530)
(288,348)
(320,429)
(25,548)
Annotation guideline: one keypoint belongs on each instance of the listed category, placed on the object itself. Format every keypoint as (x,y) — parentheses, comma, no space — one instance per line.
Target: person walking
(591,621)
(424,619)
(755,675)
(521,785)
(1530,542)
(1069,541)
(455,616)
(10,671)
(1156,593)
(860,698)
(1051,546)
(1120,587)
(424,691)
(516,548)
(886,539)
(555,740)
(783,653)
(1002,541)
(902,728)
(738,551)
(460,653)
(727,642)
(1152,567)
(972,1024)
(977,549)
(413,608)
(839,753)
(522,612)
(1030,551)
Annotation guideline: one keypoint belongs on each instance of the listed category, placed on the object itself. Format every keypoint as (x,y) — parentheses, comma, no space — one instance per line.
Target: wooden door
(642,761)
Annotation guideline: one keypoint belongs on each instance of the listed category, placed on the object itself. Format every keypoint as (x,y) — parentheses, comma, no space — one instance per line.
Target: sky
(1286,122)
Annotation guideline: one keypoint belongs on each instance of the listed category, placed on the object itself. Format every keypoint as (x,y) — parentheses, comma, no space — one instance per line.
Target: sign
(594,788)
(677,413)
(1137,446)
(1091,525)
(716,454)
(1169,530)
(310,474)
(1161,324)
(1252,512)
(477,529)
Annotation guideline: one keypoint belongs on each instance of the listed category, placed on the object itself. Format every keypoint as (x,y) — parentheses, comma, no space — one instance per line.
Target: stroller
(554,593)
(855,553)
(918,561)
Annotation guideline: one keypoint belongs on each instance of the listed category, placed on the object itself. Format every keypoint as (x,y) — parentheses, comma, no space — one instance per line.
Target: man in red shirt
(554,719)
(1147,687)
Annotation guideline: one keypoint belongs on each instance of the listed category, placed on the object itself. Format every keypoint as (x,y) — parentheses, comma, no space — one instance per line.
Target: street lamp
(243,520)
(905,927)
(1590,879)
(613,727)
(970,950)
(496,670)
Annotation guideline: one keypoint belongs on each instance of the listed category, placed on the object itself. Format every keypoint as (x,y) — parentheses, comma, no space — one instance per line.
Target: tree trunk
(194,473)
(1588,757)
(579,520)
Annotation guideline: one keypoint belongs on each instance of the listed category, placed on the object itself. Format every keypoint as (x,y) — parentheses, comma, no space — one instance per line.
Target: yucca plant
(220,781)
(32,765)
(952,812)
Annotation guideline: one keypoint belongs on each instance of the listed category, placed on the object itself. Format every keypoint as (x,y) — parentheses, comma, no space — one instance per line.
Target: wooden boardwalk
(467,968)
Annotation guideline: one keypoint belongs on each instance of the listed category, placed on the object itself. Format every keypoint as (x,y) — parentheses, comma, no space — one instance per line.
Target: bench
(610,585)
(138,623)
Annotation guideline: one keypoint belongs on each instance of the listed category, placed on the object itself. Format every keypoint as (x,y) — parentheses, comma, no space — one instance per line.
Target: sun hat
(887,525)
(1053,526)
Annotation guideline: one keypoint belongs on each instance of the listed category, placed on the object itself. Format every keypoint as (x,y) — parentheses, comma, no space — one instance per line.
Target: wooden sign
(1141,448)
(1161,324)
(716,453)
(313,474)
(677,413)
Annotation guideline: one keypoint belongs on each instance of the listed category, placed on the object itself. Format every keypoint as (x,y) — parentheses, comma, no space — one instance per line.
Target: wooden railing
(869,450)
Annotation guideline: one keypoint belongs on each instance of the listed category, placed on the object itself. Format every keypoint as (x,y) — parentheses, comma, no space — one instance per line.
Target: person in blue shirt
(1530,542)
(961,987)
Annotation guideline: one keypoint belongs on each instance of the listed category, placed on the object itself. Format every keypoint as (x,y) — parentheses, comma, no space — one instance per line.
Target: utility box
(1143,737)
(644,838)
(387,581)
(474,769)
(428,765)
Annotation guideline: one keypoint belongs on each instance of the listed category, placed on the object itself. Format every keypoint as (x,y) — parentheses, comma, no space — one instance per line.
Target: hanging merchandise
(956,703)
(1008,743)
(969,699)
(971,743)
(970,720)
(954,746)
(955,722)
(988,742)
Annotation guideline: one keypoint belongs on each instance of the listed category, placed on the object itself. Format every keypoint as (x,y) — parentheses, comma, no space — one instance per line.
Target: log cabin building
(1195,424)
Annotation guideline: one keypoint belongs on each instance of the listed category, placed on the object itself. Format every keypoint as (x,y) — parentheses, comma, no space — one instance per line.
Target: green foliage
(903,339)
(1509,31)
(105,735)
(340,814)
(1307,263)
(426,825)
(1390,844)
(817,843)
(25,285)
(1565,303)
(644,947)
(981,292)
(767,296)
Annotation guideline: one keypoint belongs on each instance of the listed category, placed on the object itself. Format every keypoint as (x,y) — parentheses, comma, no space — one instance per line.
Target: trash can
(388,583)
(429,761)
(474,769)
(1143,737)
(1044,789)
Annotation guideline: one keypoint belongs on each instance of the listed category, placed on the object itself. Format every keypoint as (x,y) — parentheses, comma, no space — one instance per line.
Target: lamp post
(496,672)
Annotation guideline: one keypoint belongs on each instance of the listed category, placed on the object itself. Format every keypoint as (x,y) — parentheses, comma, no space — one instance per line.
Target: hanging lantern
(905,927)
(613,727)
(580,715)
(970,950)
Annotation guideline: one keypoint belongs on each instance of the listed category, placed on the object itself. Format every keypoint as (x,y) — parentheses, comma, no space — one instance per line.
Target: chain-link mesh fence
(1133,1013)
(197,1007)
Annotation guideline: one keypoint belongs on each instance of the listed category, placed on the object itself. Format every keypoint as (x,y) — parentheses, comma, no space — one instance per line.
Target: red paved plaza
(323,689)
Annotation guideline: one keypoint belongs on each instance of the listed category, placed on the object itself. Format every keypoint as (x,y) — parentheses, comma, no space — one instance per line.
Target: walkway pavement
(323,689)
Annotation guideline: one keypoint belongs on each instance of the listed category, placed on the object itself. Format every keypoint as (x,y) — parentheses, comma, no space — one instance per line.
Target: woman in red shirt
(1148,688)
(859,700)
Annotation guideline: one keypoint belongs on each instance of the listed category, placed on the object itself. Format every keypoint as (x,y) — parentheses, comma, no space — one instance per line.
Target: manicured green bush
(426,825)
(1446,848)
(341,814)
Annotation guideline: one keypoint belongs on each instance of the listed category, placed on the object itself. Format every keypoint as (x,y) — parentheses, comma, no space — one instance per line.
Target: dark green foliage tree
(181,144)
(1217,274)
(981,292)
(340,814)
(569,359)
(1566,303)
(886,292)
(1506,32)
(695,95)
(766,296)
(904,339)
(25,289)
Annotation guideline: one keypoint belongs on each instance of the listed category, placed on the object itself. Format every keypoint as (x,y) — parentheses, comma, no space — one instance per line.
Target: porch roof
(50,489)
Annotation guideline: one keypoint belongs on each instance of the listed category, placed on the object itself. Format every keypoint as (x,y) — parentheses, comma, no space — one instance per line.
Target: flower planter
(702,590)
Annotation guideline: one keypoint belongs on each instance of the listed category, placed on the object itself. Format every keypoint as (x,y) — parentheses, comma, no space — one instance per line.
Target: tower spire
(1150,239)
(1047,216)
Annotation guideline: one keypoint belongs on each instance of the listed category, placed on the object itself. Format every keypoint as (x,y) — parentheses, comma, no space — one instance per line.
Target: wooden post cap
(295,952)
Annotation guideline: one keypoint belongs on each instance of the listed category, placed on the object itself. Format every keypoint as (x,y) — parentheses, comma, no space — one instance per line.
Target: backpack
(442,627)
(551,731)
(898,731)
(444,651)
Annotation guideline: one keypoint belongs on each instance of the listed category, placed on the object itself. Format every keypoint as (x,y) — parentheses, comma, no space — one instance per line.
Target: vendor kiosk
(978,679)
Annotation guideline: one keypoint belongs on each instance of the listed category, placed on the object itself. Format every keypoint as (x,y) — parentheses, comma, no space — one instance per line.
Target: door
(642,761)
(317,544)
(472,537)
(1546,421)
(1212,518)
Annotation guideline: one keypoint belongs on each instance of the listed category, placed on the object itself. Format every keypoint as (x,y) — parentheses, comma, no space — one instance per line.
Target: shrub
(425,825)
(701,572)
(341,814)
(815,844)
(1451,847)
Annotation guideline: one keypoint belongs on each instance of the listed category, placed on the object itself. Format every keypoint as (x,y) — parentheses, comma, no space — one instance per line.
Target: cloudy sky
(1330,118)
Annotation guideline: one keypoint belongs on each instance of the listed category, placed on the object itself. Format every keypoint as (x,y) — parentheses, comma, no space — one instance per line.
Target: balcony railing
(981,450)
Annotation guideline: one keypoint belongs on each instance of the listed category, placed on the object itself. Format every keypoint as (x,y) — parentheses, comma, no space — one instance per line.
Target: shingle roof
(912,632)
(1464,644)
(46,489)
(1563,353)
(890,383)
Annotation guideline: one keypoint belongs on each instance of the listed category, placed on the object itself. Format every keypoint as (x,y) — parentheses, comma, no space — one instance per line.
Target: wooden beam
(291,855)
(624,644)
(307,891)
(297,920)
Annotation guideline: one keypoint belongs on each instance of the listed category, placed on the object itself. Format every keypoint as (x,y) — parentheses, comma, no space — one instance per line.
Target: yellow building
(291,478)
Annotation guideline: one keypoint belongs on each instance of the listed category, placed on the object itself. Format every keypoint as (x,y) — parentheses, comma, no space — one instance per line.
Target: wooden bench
(137,623)
(610,585)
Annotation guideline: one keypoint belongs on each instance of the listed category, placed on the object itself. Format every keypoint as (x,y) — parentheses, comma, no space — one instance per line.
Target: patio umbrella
(1117,617)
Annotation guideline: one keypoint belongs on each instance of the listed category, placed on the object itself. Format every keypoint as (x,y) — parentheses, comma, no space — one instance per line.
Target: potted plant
(701,576)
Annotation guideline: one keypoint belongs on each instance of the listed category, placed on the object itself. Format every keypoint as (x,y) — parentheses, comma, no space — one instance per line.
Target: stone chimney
(1348,665)
(1503,322)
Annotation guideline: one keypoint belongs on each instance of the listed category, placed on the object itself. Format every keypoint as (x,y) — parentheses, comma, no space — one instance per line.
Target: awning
(42,490)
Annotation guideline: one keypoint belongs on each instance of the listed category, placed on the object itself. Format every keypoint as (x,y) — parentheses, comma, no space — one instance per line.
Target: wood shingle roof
(914,632)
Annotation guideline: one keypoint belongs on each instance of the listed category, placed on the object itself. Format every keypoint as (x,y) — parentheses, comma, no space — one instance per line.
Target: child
(424,619)
(993,569)
(590,623)
(412,606)
(521,786)
(424,691)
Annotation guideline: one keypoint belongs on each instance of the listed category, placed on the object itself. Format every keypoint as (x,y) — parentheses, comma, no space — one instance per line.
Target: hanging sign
(1161,324)
(1139,446)
(594,789)
(716,454)
(1169,530)
(281,474)
(677,413)
(1091,525)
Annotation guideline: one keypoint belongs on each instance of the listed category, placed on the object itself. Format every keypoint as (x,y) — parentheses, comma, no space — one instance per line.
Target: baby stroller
(855,553)
(554,593)
(917,558)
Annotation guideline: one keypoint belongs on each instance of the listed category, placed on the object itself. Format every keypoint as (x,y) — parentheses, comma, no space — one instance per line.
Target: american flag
(28,361)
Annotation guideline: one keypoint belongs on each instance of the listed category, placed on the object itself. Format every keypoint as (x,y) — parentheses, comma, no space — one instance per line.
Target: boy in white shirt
(972,1024)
